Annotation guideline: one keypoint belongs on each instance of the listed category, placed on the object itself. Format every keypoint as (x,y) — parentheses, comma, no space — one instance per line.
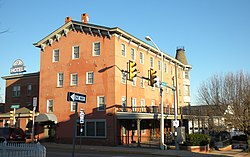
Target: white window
(172,71)
(141,58)
(133,55)
(186,75)
(165,68)
(16,91)
(60,80)
(143,109)
(151,62)
(134,81)
(186,90)
(55,55)
(124,104)
(124,75)
(50,105)
(142,83)
(96,49)
(159,65)
(101,106)
(123,50)
(75,52)
(72,106)
(29,89)
(89,77)
(73,79)
(133,104)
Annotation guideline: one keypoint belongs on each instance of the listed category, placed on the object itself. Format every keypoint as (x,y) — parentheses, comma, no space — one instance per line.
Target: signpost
(76,97)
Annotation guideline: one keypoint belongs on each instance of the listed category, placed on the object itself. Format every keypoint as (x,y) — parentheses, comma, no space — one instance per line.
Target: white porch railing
(22,150)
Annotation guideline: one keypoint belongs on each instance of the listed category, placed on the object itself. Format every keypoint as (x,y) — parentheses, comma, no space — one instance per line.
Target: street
(95,154)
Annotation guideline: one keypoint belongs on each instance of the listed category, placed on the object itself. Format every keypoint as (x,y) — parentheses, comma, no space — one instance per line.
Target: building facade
(19,93)
(93,60)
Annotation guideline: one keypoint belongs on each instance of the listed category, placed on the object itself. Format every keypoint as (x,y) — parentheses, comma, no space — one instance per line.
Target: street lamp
(162,145)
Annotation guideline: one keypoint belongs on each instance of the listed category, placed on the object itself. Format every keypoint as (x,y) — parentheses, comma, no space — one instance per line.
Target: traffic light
(132,70)
(153,79)
(12,115)
(31,115)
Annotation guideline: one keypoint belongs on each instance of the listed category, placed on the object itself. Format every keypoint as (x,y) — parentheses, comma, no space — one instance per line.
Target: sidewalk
(133,150)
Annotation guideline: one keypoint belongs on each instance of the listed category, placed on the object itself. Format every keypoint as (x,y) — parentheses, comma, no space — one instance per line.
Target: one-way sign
(76,97)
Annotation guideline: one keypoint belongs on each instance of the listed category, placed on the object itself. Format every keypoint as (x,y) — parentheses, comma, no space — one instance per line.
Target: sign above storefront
(17,67)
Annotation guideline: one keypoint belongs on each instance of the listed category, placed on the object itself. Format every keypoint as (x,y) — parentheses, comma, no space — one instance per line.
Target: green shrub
(197,140)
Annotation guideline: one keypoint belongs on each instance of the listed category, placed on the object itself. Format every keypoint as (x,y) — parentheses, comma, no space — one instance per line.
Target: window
(74,79)
(143,109)
(93,128)
(133,54)
(165,68)
(60,80)
(72,106)
(124,106)
(56,55)
(124,77)
(159,65)
(96,49)
(141,58)
(134,81)
(186,75)
(172,71)
(151,62)
(75,52)
(133,104)
(186,90)
(29,89)
(123,50)
(142,83)
(101,103)
(16,91)
(49,105)
(90,78)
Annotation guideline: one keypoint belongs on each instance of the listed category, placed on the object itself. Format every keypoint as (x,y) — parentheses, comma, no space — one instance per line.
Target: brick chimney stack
(85,18)
(68,19)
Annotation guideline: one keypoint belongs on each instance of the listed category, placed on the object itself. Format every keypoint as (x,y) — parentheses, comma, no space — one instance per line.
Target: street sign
(82,116)
(34,101)
(15,106)
(76,97)
(164,84)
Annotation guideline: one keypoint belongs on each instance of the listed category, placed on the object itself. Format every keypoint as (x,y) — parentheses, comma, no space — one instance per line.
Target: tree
(229,95)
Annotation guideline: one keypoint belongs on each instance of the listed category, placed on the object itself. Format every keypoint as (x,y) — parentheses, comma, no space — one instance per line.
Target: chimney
(180,55)
(85,18)
(68,19)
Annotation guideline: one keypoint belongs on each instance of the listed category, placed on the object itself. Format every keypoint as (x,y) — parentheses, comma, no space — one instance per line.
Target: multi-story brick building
(93,60)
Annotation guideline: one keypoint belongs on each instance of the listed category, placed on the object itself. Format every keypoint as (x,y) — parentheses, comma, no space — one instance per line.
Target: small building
(19,93)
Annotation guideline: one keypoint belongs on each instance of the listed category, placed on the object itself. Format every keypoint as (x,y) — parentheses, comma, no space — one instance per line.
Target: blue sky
(215,33)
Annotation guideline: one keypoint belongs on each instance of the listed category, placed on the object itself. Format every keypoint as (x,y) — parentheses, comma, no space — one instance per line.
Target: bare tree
(230,96)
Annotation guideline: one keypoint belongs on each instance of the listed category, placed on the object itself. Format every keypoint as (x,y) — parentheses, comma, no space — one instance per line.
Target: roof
(21,76)
(208,110)
(102,31)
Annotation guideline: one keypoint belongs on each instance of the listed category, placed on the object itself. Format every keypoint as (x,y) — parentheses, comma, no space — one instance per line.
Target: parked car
(12,134)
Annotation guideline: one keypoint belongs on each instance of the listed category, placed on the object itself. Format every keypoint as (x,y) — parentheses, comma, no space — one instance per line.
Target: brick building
(93,60)
(19,93)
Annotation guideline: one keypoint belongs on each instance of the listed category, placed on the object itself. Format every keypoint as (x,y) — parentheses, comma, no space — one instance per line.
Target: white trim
(93,48)
(98,103)
(53,55)
(73,52)
(87,80)
(71,81)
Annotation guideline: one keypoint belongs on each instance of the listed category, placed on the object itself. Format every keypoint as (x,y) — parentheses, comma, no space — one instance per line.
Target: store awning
(45,117)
